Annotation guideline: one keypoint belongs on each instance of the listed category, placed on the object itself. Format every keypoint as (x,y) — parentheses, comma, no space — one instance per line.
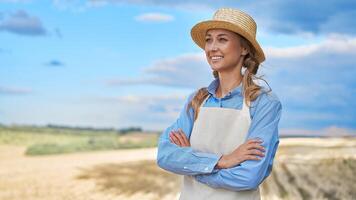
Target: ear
(244,51)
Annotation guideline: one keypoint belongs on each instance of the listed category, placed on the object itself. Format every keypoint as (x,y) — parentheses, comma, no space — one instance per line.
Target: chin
(217,67)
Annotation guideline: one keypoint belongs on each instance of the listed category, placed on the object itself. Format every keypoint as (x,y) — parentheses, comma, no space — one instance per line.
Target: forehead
(219,31)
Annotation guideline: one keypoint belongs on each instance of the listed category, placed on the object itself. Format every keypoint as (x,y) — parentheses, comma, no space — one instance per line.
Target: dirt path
(54,177)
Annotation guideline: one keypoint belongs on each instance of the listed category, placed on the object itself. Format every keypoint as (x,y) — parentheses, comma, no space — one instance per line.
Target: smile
(216,58)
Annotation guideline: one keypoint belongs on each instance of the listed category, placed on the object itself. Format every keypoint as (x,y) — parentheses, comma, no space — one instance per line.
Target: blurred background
(111,75)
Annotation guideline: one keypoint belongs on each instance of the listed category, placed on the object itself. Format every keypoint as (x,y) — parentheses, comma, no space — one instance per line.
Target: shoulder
(266,100)
(189,98)
(195,92)
(268,96)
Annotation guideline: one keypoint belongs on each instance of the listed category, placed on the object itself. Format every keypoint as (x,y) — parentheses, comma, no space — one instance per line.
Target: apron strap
(205,100)
(245,108)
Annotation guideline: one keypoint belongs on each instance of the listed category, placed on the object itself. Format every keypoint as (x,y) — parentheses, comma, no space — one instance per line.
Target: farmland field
(305,168)
(45,141)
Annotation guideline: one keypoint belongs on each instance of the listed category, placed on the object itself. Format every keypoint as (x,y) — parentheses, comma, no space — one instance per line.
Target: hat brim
(199,30)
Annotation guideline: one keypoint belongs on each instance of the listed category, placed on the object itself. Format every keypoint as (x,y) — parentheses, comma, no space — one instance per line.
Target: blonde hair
(250,89)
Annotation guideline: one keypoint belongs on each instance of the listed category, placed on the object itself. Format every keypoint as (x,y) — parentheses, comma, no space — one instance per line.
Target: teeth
(216,57)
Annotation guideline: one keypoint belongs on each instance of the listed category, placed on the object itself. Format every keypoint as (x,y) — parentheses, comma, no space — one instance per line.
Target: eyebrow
(221,34)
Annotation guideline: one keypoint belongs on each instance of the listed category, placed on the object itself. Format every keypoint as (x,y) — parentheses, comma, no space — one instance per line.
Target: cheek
(233,51)
(206,50)
(207,47)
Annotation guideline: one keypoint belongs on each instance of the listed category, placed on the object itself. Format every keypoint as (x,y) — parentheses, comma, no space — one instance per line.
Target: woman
(226,137)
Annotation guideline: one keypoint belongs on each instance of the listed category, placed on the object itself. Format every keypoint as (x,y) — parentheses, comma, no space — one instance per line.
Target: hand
(250,150)
(179,138)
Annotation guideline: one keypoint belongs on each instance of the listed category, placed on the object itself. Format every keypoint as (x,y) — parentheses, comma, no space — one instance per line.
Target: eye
(223,39)
(207,39)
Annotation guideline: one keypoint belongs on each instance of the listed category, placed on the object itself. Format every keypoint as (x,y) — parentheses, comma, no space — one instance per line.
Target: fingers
(252,158)
(173,137)
(254,144)
(179,138)
(183,137)
(256,152)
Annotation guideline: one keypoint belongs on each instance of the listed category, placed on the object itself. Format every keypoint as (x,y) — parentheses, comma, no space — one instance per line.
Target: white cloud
(148,111)
(187,70)
(193,71)
(145,99)
(22,23)
(314,87)
(333,16)
(154,17)
(309,95)
(332,44)
(151,112)
(315,82)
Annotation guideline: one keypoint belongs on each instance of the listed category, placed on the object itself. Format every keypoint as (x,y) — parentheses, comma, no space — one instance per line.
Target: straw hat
(232,20)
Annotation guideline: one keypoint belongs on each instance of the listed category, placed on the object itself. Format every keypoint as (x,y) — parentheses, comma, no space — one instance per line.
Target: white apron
(220,131)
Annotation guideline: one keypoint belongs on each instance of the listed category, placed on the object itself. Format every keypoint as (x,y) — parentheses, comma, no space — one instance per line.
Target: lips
(216,58)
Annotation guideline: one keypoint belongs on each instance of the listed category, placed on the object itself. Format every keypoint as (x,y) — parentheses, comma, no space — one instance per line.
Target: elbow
(164,163)
(161,164)
(161,159)
(253,184)
(247,183)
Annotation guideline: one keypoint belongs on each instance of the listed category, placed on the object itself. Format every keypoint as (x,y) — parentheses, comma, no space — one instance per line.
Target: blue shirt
(265,113)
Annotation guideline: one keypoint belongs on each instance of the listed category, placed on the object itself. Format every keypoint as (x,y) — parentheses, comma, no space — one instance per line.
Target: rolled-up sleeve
(249,174)
(183,160)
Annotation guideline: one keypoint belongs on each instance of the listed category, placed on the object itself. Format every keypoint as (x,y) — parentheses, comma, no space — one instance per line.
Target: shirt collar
(214,85)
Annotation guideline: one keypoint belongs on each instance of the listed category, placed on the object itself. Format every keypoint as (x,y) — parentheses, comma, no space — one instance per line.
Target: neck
(228,80)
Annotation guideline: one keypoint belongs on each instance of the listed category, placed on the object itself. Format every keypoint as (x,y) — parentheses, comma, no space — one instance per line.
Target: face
(223,49)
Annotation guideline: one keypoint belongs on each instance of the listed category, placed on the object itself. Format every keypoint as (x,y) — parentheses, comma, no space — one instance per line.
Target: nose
(213,46)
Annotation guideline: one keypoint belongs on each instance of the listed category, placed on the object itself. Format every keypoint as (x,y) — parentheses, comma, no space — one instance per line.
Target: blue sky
(105,63)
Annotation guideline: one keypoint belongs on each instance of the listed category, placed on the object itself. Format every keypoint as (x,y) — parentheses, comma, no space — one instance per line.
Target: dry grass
(131,177)
(313,168)
(326,179)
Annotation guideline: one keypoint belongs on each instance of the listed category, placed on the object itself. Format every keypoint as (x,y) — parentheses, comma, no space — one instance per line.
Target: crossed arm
(243,169)
(250,150)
